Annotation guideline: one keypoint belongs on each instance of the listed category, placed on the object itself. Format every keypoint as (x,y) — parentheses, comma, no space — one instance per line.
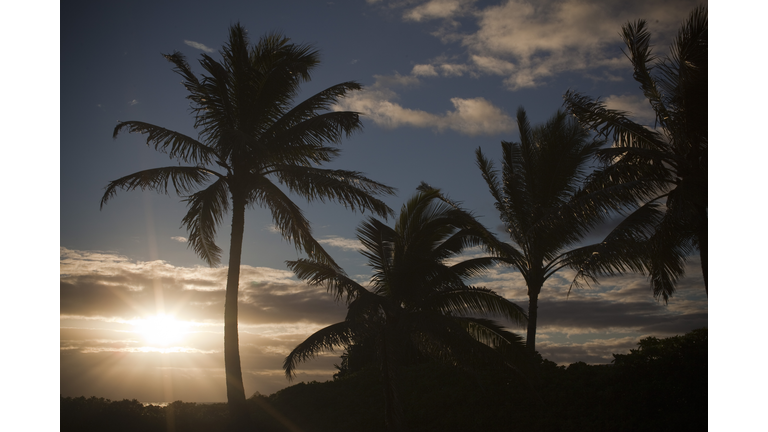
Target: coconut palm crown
(417,297)
(251,138)
(540,177)
(663,168)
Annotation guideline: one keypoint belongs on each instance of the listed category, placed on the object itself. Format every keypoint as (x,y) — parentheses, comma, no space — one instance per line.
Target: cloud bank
(526,42)
(102,295)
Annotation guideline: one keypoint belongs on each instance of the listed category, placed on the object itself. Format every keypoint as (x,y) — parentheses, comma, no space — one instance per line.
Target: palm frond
(334,279)
(291,128)
(206,209)
(492,334)
(378,241)
(669,247)
(593,114)
(327,339)
(475,267)
(182,179)
(288,218)
(624,249)
(490,176)
(176,145)
(281,66)
(349,188)
(475,300)
(637,38)
(191,83)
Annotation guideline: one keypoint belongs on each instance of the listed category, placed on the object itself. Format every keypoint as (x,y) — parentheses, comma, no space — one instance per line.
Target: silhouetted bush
(660,386)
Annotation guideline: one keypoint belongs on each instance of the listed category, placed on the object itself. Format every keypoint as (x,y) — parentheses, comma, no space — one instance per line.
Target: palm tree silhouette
(663,169)
(250,139)
(540,177)
(417,298)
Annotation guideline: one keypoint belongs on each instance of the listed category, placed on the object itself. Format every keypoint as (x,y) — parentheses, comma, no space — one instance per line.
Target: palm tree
(251,138)
(662,167)
(540,177)
(417,298)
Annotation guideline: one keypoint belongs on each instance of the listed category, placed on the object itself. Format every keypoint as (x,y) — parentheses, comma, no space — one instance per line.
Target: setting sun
(161,330)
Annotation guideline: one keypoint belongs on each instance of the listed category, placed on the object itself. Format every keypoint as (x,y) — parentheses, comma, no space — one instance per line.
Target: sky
(141,316)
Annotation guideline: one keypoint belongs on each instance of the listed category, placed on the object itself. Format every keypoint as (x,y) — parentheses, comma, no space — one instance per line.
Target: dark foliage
(664,171)
(660,386)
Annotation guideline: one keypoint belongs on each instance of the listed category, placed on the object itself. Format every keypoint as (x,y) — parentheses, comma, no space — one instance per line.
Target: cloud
(107,287)
(433,9)
(594,351)
(102,293)
(424,70)
(396,80)
(133,102)
(526,42)
(273,229)
(198,45)
(637,107)
(179,239)
(342,243)
(473,116)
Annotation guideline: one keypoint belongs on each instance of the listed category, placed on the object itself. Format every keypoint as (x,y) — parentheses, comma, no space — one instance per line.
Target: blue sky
(441,78)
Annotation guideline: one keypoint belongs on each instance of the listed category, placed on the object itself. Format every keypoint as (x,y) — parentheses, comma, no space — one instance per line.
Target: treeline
(661,385)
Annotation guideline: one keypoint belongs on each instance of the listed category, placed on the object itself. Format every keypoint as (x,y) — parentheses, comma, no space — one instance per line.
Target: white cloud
(424,70)
(133,102)
(274,229)
(474,116)
(198,45)
(493,65)
(637,107)
(527,41)
(342,243)
(449,69)
(437,9)
(179,239)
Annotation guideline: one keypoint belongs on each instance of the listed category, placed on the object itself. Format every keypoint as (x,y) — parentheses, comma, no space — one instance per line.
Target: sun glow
(161,330)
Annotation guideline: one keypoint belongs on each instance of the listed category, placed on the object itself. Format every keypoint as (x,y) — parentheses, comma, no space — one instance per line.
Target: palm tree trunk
(234,375)
(394,419)
(704,254)
(533,306)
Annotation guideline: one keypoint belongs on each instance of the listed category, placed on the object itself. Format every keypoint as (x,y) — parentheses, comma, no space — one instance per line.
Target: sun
(161,330)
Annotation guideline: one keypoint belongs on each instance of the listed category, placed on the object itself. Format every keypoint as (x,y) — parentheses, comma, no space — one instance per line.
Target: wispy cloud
(434,9)
(342,243)
(273,229)
(179,239)
(198,45)
(133,102)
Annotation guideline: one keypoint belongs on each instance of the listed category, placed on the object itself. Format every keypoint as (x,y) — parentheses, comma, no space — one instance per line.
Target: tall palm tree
(664,167)
(250,139)
(417,298)
(540,177)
